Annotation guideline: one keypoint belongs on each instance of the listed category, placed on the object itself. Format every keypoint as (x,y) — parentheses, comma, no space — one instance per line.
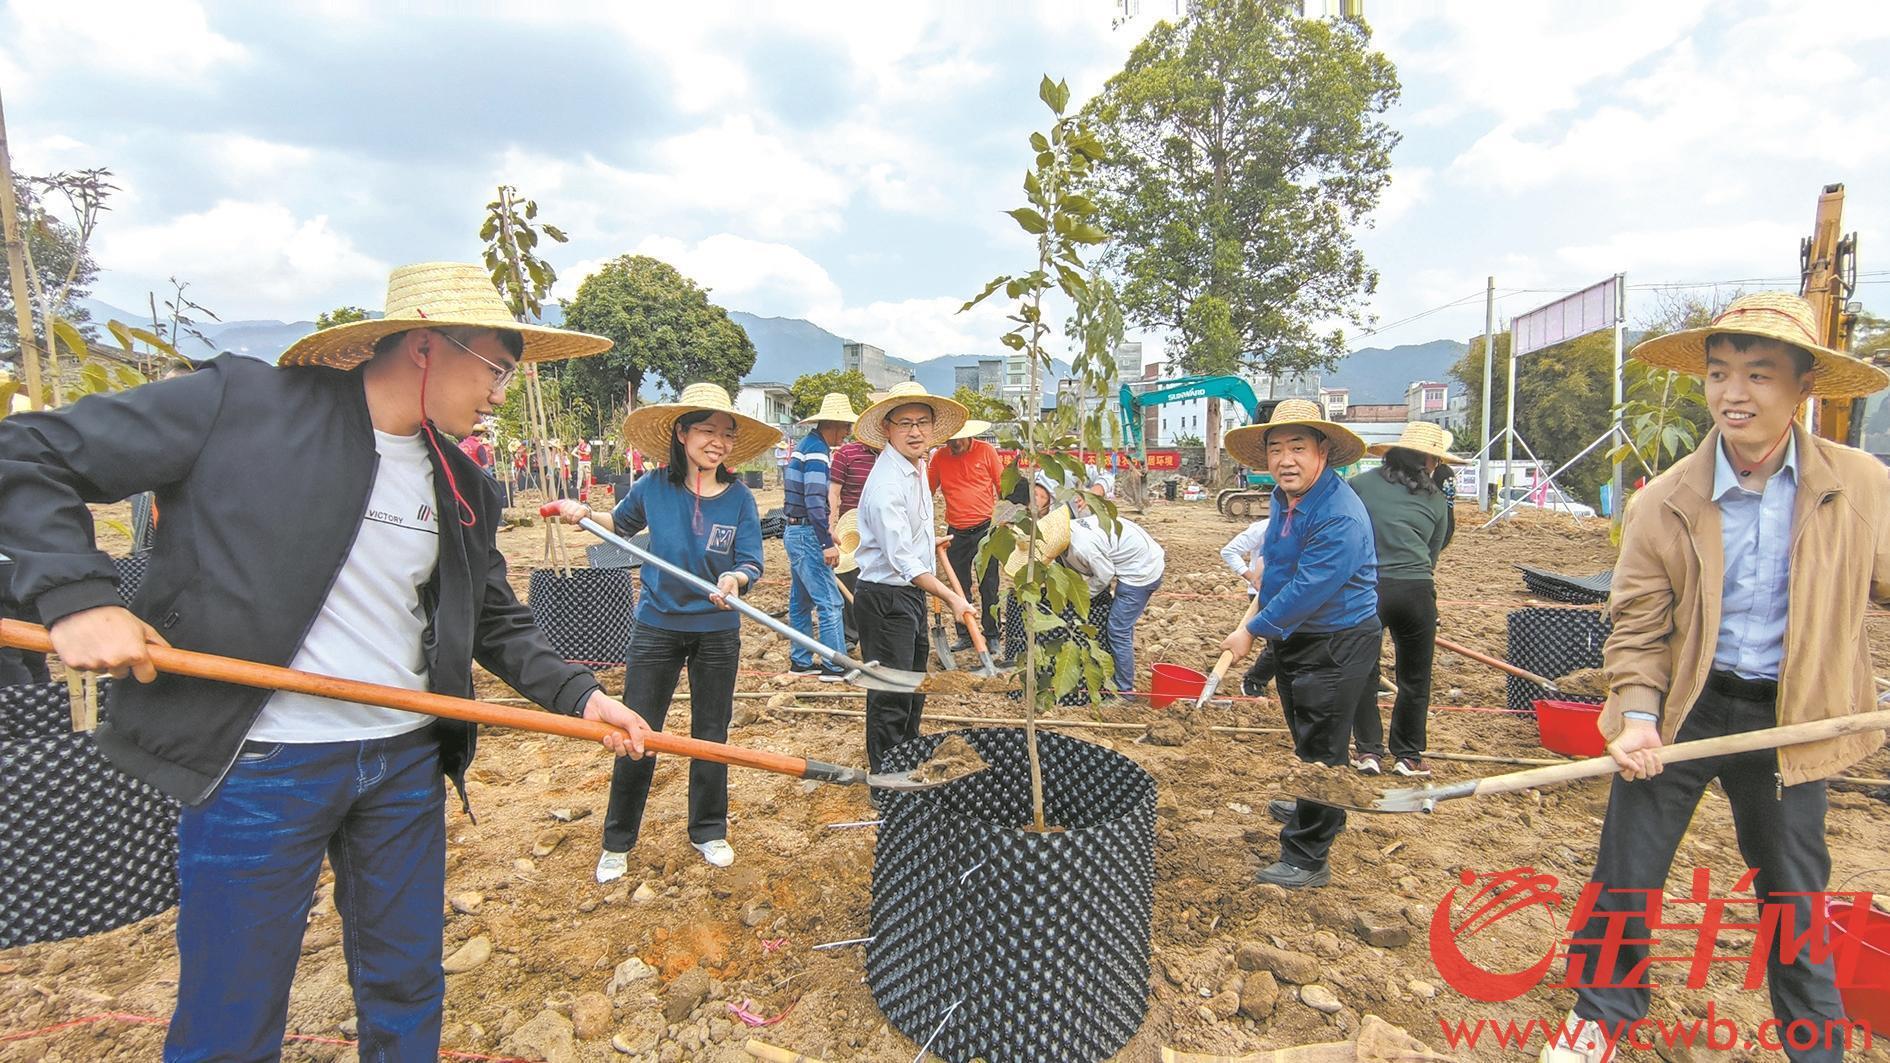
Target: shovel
(986,666)
(872,675)
(1227,658)
(21,635)
(942,638)
(1500,665)
(1425,798)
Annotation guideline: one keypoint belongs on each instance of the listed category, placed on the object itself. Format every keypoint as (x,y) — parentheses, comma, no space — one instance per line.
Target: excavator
(1248,502)
(1827,267)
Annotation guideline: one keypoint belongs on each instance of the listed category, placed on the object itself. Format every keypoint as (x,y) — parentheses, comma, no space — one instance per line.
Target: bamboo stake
(768,1053)
(16,275)
(1537,762)
(1003,721)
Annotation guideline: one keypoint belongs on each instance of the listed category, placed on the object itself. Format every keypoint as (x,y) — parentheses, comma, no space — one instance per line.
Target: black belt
(982,526)
(799,520)
(1730,685)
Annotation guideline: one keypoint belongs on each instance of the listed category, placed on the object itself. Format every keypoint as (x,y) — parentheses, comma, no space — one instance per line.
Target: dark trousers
(1408,609)
(651,668)
(1320,678)
(848,617)
(892,632)
(1781,836)
(959,554)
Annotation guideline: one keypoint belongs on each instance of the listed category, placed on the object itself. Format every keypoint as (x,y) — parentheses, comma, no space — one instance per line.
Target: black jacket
(262,476)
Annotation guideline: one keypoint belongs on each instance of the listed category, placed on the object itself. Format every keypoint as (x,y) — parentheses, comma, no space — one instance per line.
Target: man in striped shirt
(814,603)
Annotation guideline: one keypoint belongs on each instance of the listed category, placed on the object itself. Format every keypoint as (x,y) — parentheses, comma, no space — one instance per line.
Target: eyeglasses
(904,425)
(501,376)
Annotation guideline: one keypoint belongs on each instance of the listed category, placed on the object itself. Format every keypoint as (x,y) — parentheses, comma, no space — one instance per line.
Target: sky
(849,163)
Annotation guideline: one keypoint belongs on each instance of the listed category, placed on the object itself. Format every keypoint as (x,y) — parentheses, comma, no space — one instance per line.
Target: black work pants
(849,619)
(652,666)
(1320,677)
(959,554)
(893,633)
(1408,610)
(1781,836)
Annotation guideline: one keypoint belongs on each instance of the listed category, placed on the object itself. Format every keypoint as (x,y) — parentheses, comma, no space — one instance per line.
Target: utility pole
(16,274)
(1489,365)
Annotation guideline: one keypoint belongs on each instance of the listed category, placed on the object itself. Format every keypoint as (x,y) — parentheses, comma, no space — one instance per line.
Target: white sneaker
(1584,1043)
(612,866)
(718,852)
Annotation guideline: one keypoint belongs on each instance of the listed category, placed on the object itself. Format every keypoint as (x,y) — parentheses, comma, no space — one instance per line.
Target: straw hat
(846,536)
(1425,438)
(1779,316)
(834,406)
(437,293)
(1248,443)
(650,428)
(1054,526)
(871,430)
(973,429)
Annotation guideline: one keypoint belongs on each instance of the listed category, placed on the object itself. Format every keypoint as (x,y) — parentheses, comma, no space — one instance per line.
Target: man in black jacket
(311,519)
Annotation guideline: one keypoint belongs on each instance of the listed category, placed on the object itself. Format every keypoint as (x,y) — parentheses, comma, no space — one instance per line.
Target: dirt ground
(711,946)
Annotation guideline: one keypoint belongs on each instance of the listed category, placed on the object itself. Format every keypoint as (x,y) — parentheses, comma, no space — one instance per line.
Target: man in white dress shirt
(896,555)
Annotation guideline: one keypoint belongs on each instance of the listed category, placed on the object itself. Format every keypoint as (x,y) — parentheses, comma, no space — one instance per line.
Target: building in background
(985,376)
(1334,401)
(870,362)
(1376,412)
(1128,360)
(769,401)
(1424,398)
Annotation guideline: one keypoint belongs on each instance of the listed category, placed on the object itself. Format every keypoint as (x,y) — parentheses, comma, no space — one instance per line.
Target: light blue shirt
(1755,532)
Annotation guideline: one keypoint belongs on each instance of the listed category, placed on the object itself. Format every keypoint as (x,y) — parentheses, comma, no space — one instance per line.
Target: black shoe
(1005,662)
(804,671)
(1282,810)
(963,643)
(830,674)
(1281,873)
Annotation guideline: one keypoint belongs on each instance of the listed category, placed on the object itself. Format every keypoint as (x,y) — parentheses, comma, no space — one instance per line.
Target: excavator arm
(1182,390)
(1828,276)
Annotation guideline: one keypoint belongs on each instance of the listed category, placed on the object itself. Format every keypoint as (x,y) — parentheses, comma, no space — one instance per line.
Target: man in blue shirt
(814,593)
(1319,611)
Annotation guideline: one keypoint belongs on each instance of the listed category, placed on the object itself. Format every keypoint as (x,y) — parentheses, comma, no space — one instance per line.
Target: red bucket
(1863,962)
(1571,728)
(1169,683)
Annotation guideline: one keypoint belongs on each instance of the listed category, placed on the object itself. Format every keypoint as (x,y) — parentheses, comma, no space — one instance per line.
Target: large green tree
(1244,144)
(810,388)
(57,253)
(1564,395)
(663,326)
(984,407)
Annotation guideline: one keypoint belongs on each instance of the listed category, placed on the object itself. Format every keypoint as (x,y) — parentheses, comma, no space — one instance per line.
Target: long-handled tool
(973,629)
(942,638)
(1425,798)
(1227,658)
(21,635)
(1500,665)
(871,674)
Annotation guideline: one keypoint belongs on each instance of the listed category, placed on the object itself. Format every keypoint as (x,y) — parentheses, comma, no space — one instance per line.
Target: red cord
(467,519)
(1743,473)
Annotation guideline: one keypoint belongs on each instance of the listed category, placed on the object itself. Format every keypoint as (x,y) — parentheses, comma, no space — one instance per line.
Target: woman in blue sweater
(701,519)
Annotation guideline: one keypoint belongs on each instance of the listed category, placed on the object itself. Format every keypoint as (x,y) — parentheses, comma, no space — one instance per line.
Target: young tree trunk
(16,275)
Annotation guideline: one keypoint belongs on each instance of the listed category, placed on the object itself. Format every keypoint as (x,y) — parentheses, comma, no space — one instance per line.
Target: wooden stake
(772,1054)
(16,275)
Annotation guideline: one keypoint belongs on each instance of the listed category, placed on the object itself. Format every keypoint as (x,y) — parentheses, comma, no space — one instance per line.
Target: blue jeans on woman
(653,664)
(812,588)
(1119,630)
(248,860)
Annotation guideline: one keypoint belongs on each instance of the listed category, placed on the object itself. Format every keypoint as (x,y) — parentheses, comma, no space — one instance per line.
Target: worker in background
(1319,611)
(1132,486)
(1746,571)
(1242,555)
(847,474)
(967,472)
(1410,528)
(1126,557)
(477,448)
(814,602)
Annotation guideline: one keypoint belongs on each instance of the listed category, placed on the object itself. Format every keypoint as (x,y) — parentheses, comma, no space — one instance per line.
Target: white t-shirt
(372,624)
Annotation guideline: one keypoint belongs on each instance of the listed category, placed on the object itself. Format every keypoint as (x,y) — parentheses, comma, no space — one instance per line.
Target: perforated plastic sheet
(1551,643)
(587,614)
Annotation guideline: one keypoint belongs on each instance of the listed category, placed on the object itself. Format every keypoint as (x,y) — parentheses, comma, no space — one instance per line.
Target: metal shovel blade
(903,780)
(942,642)
(875,676)
(1404,799)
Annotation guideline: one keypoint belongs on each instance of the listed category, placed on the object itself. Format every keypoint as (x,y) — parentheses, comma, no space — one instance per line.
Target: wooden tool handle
(21,635)
(1767,738)
(1493,662)
(1227,656)
(844,593)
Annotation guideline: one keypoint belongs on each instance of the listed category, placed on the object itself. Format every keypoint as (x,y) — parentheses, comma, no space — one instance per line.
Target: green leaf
(1086,233)
(1041,621)
(531,209)
(1047,92)
(1076,203)
(1013,341)
(64,332)
(489,230)
(1069,670)
(996,282)
(556,233)
(1039,142)
(1028,220)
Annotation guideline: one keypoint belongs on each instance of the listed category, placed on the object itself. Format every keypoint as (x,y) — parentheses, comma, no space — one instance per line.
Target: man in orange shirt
(967,471)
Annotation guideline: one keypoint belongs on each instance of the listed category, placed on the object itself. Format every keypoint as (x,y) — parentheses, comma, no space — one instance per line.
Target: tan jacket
(1666,599)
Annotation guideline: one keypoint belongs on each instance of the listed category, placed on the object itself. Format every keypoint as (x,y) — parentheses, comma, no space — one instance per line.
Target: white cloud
(155,39)
(1410,186)
(259,258)
(1748,248)
(770,279)
(243,159)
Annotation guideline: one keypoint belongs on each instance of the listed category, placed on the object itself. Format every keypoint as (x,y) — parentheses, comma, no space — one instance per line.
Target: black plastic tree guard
(1553,642)
(587,614)
(83,847)
(1036,944)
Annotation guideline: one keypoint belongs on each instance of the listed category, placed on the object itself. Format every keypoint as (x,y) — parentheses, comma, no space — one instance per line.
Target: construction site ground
(666,963)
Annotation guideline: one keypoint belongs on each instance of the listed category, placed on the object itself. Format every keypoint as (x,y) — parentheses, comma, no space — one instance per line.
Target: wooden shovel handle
(969,616)
(21,635)
(1227,656)
(1496,663)
(1745,742)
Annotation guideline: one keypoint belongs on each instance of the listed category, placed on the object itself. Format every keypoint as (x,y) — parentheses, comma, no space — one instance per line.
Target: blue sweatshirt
(806,480)
(730,541)
(1322,566)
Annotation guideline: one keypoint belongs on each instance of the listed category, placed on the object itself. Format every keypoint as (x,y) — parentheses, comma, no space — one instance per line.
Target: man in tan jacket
(1738,604)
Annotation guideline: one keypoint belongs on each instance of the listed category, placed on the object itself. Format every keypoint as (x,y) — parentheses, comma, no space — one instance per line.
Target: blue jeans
(1119,630)
(248,860)
(813,589)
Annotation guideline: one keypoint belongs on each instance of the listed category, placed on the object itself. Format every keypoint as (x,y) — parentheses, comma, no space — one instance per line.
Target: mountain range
(787,348)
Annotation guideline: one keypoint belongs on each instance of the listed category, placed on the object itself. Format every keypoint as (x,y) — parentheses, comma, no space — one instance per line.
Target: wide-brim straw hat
(1248,443)
(430,294)
(1779,316)
(1054,526)
(846,537)
(972,429)
(948,416)
(833,407)
(1423,437)
(650,428)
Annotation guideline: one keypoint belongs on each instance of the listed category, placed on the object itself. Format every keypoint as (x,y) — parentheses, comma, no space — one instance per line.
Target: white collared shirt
(1130,555)
(895,522)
